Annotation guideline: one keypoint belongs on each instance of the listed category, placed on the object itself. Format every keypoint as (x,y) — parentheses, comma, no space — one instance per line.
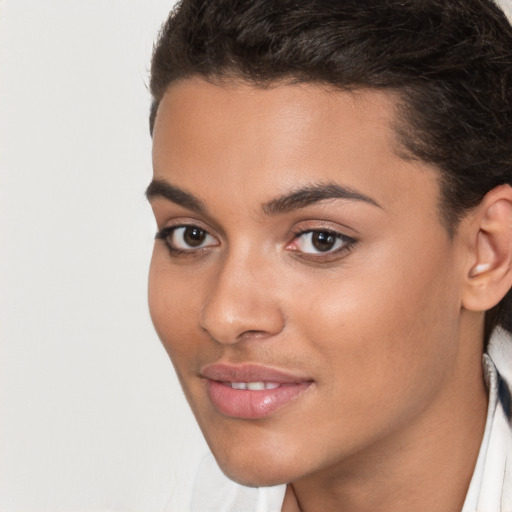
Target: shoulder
(500,351)
(495,493)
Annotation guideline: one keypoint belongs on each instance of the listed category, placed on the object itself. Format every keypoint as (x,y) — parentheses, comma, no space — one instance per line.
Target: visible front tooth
(239,385)
(271,385)
(255,386)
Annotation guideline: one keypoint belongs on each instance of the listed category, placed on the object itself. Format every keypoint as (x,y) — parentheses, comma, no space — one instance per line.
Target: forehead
(254,140)
(309,114)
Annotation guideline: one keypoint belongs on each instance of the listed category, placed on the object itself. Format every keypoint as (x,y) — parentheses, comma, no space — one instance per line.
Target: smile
(251,391)
(253,386)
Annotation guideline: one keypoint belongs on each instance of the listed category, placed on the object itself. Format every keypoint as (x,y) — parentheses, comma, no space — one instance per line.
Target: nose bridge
(241,299)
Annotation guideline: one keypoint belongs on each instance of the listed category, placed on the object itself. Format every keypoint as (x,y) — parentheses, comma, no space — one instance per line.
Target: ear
(489,273)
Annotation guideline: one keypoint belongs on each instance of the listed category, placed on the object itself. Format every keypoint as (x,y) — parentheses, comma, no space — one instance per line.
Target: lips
(251,391)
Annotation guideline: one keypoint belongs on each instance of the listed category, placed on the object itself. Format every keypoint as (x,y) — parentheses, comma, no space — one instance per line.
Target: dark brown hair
(449,60)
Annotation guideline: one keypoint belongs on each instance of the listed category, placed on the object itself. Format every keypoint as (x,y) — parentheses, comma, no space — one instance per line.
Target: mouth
(251,391)
(253,386)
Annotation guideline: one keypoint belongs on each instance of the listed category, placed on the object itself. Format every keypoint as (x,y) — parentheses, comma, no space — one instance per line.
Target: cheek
(172,307)
(386,332)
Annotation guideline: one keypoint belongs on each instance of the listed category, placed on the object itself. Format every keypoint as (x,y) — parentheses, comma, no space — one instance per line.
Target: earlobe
(489,276)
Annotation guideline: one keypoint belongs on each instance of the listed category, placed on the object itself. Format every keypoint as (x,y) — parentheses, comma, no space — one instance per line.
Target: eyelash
(166,233)
(348,243)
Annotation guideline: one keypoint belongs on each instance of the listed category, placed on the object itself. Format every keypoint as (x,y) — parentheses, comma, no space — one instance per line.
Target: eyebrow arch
(312,194)
(300,198)
(160,188)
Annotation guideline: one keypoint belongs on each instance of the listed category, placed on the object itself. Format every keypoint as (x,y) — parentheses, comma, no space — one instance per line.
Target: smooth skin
(366,295)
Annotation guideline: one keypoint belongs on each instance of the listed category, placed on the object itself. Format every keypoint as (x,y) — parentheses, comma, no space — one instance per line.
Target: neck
(426,466)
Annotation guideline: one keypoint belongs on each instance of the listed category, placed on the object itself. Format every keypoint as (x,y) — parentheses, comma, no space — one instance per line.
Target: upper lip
(225,372)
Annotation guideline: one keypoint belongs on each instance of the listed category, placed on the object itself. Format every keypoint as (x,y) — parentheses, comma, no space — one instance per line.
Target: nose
(241,302)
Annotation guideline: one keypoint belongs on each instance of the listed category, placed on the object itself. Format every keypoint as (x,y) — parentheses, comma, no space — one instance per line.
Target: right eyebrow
(160,188)
(311,194)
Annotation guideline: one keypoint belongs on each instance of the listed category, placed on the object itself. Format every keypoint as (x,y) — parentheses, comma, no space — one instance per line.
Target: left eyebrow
(312,194)
(161,188)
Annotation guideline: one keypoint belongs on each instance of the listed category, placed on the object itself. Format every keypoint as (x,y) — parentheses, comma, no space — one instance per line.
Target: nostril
(237,307)
(254,334)
(255,322)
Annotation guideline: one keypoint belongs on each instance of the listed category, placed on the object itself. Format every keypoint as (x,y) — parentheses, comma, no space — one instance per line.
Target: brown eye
(323,240)
(186,238)
(193,236)
(318,241)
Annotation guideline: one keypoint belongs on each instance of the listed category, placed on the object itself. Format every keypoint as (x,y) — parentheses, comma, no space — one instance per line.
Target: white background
(91,415)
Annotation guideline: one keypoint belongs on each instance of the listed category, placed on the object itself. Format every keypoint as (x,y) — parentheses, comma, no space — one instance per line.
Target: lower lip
(246,404)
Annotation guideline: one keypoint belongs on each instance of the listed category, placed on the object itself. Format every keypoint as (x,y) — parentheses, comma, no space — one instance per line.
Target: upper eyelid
(170,217)
(207,222)
(184,221)
(300,232)
(325,225)
(166,230)
(295,233)
(348,240)
(176,223)
(342,233)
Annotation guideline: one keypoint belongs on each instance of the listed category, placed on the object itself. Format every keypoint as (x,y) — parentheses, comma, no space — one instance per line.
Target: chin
(251,478)
(256,471)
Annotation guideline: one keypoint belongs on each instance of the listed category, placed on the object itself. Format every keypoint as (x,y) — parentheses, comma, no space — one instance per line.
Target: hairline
(233,77)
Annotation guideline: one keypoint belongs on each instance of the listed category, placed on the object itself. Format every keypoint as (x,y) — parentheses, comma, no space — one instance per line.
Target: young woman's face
(301,282)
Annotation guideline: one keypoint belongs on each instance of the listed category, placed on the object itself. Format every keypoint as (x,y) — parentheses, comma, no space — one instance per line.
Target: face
(302,282)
